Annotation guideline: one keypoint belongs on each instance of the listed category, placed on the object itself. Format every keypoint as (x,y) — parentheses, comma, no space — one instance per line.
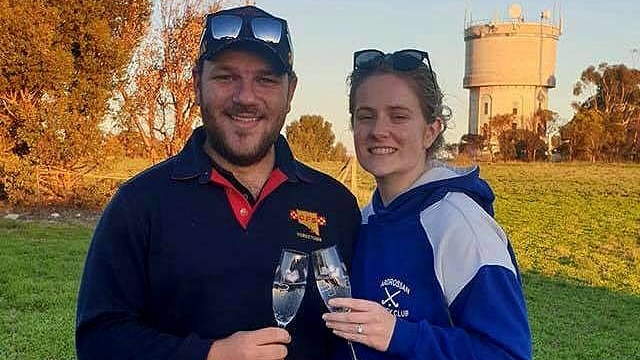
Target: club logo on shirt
(392,294)
(312,221)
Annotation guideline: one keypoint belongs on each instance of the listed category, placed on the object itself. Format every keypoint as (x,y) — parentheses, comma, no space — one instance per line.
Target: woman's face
(391,134)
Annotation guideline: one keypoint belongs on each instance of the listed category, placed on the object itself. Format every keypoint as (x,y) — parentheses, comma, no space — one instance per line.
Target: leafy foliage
(61,62)
(472,144)
(159,107)
(502,136)
(17,180)
(311,139)
(338,152)
(606,125)
(584,135)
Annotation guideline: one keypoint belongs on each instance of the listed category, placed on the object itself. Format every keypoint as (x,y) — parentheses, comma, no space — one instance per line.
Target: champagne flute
(289,282)
(332,280)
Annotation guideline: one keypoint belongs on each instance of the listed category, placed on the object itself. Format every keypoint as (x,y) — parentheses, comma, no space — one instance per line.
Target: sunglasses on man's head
(227,27)
(402,60)
(247,25)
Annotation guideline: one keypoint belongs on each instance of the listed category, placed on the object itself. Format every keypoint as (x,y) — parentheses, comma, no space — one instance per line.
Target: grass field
(40,266)
(575,229)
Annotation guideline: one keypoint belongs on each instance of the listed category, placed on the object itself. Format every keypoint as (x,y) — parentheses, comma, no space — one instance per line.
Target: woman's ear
(432,131)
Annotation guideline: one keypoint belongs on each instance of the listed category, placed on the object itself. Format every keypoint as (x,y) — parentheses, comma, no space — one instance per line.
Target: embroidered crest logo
(392,288)
(310,220)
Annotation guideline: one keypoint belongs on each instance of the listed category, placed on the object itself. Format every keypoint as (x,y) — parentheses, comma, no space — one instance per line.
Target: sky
(325,33)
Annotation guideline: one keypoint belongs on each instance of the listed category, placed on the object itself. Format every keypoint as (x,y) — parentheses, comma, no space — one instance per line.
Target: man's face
(243,103)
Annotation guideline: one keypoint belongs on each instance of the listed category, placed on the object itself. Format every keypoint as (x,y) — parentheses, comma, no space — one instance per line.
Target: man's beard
(221,145)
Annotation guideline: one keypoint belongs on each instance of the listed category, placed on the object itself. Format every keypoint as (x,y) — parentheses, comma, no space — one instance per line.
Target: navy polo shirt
(181,257)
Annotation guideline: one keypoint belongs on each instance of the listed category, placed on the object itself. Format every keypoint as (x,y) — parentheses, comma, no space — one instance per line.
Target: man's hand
(264,344)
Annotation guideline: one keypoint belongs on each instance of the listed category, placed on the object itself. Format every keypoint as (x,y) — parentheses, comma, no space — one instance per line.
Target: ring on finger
(359,329)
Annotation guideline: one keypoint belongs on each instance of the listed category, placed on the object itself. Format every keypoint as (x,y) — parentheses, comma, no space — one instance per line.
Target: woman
(438,273)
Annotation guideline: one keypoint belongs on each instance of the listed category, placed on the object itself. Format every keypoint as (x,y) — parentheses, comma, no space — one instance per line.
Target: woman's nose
(380,127)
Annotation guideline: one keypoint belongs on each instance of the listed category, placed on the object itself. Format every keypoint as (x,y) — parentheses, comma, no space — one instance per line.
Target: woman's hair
(421,80)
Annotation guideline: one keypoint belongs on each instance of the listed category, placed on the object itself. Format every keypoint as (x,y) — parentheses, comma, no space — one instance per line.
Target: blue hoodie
(437,260)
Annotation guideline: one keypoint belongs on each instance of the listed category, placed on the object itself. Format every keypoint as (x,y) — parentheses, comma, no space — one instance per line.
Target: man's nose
(244,92)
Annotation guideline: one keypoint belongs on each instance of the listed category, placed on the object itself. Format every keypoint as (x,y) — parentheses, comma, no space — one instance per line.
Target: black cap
(279,53)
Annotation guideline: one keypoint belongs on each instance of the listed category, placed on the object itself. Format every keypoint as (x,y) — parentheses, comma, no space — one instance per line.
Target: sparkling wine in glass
(289,282)
(332,279)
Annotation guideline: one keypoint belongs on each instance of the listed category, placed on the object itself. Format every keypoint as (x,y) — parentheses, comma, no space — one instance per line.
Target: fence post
(354,175)
(38,192)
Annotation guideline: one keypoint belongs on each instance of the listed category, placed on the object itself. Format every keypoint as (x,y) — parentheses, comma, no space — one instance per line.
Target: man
(182,261)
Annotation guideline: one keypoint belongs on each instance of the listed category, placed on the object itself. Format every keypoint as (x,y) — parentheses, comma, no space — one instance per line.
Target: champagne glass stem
(353,351)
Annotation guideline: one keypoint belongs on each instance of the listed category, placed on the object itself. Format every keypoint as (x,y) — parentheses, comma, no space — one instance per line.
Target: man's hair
(263,54)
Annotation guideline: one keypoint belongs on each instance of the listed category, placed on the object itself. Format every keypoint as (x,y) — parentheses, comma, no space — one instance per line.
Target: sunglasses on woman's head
(402,60)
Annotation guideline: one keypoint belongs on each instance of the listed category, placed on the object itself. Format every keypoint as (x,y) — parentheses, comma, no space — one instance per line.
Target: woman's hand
(367,322)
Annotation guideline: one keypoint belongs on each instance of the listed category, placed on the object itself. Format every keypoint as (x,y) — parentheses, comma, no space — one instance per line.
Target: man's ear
(293,82)
(195,74)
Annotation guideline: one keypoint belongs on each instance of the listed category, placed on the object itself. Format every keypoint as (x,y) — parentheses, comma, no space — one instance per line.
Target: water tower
(509,65)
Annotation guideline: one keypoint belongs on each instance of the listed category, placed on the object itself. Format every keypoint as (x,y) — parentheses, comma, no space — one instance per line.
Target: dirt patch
(83,217)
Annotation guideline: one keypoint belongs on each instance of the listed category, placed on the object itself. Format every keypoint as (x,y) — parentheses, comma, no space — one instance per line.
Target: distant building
(509,65)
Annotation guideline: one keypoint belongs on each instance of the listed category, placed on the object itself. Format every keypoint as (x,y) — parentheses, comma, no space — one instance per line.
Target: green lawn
(40,267)
(575,221)
(575,228)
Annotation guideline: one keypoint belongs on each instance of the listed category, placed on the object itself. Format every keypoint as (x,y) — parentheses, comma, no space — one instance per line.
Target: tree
(530,146)
(471,144)
(311,139)
(497,126)
(507,141)
(338,153)
(61,61)
(159,107)
(609,95)
(449,151)
(584,135)
(535,134)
